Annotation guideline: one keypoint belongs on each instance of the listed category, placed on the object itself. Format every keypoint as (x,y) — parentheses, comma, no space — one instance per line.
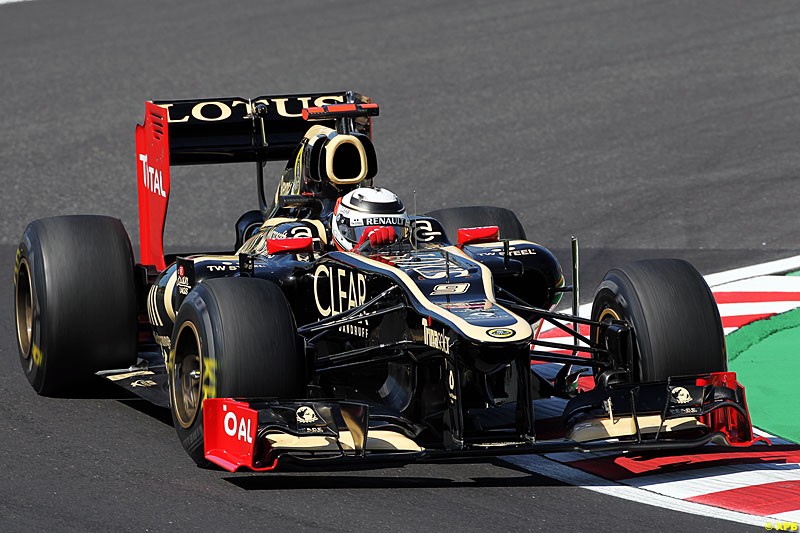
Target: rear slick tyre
(453,218)
(75,302)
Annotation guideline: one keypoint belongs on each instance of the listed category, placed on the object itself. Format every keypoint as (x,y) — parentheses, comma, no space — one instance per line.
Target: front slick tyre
(676,322)
(233,337)
(74,302)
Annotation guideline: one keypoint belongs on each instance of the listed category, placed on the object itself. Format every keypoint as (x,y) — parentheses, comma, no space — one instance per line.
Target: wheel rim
(187,375)
(606,315)
(23,309)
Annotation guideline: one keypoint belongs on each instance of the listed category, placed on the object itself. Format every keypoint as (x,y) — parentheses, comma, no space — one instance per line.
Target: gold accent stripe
(521,328)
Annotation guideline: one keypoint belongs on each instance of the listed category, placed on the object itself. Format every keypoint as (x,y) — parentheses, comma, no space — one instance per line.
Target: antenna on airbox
(414,230)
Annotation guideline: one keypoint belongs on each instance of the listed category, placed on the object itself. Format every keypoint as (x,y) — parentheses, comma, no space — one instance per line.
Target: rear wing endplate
(216,130)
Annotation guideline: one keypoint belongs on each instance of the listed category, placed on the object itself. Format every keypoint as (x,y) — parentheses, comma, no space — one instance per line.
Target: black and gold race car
(287,349)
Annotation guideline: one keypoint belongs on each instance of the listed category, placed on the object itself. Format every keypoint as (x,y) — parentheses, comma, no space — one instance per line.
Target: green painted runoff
(766,358)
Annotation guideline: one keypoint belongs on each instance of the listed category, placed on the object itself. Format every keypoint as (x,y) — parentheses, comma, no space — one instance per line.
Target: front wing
(680,413)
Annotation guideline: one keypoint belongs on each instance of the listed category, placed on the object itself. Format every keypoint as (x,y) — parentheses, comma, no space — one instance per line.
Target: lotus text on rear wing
(215,111)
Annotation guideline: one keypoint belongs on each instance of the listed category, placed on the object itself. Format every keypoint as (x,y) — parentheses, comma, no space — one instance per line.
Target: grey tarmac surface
(647,129)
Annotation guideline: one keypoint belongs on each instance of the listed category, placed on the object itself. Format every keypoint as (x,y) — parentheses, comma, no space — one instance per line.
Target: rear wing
(216,130)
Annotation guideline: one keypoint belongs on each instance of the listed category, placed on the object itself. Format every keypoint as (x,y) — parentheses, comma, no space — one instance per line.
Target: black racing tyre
(676,323)
(75,302)
(453,218)
(233,337)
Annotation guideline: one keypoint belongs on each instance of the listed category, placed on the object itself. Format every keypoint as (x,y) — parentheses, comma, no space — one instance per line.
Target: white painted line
(689,484)
(764,269)
(755,308)
(772,438)
(12,1)
(731,276)
(725,310)
(540,465)
(585,310)
(762,284)
(791,516)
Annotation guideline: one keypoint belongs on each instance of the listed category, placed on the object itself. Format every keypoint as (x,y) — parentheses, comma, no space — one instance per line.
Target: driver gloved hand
(375,236)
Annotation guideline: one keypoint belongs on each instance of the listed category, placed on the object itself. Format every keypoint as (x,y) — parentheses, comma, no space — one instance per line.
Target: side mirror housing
(478,235)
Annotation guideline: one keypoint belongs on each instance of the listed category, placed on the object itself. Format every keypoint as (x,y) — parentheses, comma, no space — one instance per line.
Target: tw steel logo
(220,110)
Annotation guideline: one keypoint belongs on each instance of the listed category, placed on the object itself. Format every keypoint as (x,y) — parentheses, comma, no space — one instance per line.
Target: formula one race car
(339,328)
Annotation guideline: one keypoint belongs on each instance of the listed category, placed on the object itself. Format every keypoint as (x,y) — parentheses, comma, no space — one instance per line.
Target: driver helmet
(364,208)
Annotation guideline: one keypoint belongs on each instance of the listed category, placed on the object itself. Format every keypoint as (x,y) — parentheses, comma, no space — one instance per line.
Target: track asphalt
(647,128)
